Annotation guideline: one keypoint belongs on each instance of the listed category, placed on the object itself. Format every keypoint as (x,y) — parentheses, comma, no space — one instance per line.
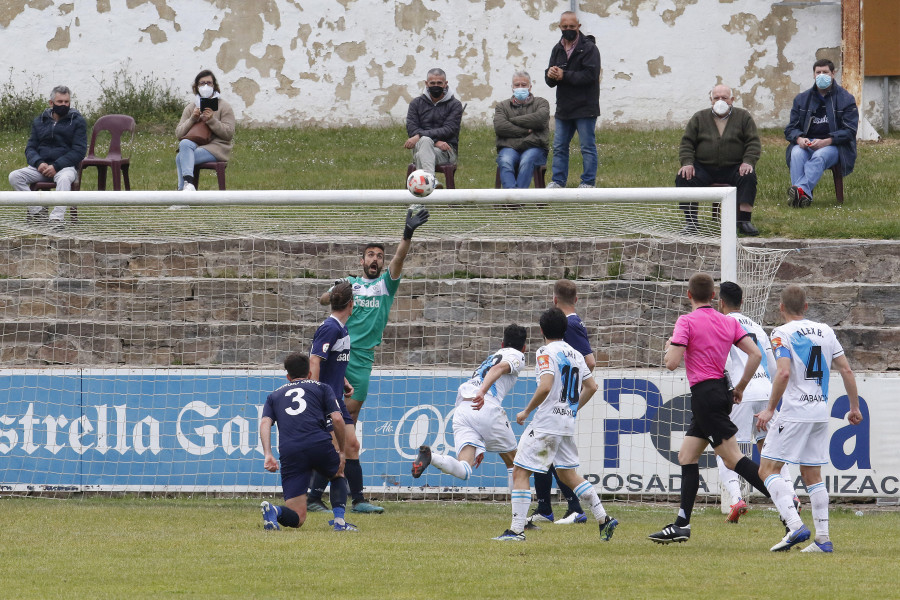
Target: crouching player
(479,422)
(565,384)
(302,409)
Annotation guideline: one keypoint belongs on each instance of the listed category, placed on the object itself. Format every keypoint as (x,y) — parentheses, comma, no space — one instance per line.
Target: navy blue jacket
(60,143)
(440,122)
(578,94)
(843,119)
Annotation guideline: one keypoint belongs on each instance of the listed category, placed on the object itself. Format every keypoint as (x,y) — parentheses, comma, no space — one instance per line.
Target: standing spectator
(432,123)
(55,149)
(522,127)
(821,132)
(720,145)
(575,73)
(219,119)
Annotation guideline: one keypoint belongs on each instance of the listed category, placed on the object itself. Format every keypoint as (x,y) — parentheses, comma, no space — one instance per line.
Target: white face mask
(205,91)
(721,108)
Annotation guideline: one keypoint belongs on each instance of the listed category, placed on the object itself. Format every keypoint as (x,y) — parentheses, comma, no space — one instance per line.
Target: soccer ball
(420,183)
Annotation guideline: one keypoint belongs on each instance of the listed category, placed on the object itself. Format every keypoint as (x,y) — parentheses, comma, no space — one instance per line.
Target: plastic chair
(217,166)
(45,186)
(539,172)
(448,169)
(116,125)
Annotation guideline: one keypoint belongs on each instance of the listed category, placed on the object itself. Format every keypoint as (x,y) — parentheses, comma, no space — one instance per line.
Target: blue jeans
(189,155)
(565,131)
(512,162)
(807,166)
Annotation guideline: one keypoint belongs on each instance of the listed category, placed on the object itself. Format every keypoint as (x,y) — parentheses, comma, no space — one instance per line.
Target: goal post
(139,342)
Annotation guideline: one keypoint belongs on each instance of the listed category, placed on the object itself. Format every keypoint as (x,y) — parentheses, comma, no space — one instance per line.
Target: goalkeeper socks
(354,475)
(543,483)
(749,470)
(570,496)
(818,500)
(783,497)
(451,466)
(317,487)
(338,498)
(690,484)
(521,500)
(287,517)
(729,480)
(587,493)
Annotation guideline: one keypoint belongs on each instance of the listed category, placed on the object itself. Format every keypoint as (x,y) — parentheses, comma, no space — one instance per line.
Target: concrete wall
(338,62)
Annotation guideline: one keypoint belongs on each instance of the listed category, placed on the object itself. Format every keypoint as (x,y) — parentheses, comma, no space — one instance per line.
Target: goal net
(139,343)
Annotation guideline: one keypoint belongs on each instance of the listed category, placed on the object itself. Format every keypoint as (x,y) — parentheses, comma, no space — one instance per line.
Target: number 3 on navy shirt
(296,395)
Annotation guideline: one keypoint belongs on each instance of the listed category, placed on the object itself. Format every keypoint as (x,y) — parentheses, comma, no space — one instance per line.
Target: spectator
(720,145)
(432,123)
(521,124)
(821,132)
(54,152)
(220,120)
(575,73)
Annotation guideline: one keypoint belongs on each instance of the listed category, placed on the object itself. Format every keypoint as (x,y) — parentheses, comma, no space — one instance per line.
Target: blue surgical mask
(823,81)
(521,94)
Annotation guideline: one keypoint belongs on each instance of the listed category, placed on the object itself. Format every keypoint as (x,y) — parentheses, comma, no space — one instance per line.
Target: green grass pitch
(216,548)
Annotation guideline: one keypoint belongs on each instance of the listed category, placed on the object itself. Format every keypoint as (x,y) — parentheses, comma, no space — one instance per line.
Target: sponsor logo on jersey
(364,302)
(777,343)
(325,347)
(543,362)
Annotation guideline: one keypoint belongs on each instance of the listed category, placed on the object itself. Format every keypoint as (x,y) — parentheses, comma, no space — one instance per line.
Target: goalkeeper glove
(414,220)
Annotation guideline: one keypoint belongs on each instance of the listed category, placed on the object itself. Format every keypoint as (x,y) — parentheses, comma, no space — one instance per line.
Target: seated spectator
(821,132)
(220,120)
(522,127)
(55,149)
(432,123)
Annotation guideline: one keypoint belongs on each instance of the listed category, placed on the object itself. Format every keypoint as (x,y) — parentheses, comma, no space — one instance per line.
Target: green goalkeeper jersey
(372,300)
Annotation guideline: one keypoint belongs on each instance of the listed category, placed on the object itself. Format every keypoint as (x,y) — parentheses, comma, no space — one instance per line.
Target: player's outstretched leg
(422,461)
(574,512)
(783,498)
(586,492)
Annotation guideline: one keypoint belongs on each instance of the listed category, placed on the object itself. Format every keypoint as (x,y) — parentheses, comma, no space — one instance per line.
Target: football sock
(509,478)
(287,517)
(587,493)
(729,480)
(354,475)
(451,466)
(690,483)
(521,500)
(570,496)
(786,475)
(543,482)
(749,470)
(783,498)
(818,500)
(317,487)
(339,498)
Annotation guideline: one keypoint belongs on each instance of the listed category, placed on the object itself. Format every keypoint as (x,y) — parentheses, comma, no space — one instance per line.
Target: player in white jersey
(804,352)
(565,384)
(479,422)
(755,398)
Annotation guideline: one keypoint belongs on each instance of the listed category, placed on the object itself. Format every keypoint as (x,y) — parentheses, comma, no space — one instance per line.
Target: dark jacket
(843,119)
(578,94)
(440,122)
(60,143)
(702,144)
(512,122)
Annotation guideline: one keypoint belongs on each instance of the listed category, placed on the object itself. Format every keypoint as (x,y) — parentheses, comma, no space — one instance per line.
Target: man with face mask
(432,123)
(55,149)
(720,145)
(522,127)
(821,132)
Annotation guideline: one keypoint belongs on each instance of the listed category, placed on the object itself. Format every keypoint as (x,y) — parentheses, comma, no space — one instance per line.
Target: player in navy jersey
(564,296)
(302,409)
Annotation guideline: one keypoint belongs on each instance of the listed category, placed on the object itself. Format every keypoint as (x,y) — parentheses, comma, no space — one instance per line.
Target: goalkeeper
(373,295)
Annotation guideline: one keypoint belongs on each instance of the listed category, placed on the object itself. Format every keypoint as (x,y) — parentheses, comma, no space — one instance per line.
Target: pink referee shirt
(707,336)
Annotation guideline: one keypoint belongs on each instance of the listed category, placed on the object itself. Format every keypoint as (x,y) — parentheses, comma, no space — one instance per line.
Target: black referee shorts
(711,403)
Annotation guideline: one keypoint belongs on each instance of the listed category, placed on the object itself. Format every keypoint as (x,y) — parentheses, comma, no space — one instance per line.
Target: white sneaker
(572,518)
(553,186)
(188,187)
(585,186)
(56,224)
(179,207)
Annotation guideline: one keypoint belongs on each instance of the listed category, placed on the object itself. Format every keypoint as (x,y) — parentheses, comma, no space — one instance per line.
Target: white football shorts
(742,416)
(487,430)
(537,451)
(797,443)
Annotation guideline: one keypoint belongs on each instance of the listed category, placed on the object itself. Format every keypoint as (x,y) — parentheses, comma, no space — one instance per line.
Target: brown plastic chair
(217,166)
(539,172)
(448,169)
(838,174)
(116,125)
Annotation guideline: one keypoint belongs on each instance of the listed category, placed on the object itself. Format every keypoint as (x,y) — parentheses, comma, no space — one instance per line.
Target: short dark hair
(794,299)
(378,245)
(731,294)
(297,365)
(515,336)
(341,295)
(554,323)
(702,287)
(201,75)
(824,62)
(565,291)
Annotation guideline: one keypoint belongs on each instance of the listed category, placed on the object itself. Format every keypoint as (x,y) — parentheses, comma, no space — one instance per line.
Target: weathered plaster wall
(335,62)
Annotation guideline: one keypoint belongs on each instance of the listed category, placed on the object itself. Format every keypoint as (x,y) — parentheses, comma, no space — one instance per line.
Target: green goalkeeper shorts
(359,371)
